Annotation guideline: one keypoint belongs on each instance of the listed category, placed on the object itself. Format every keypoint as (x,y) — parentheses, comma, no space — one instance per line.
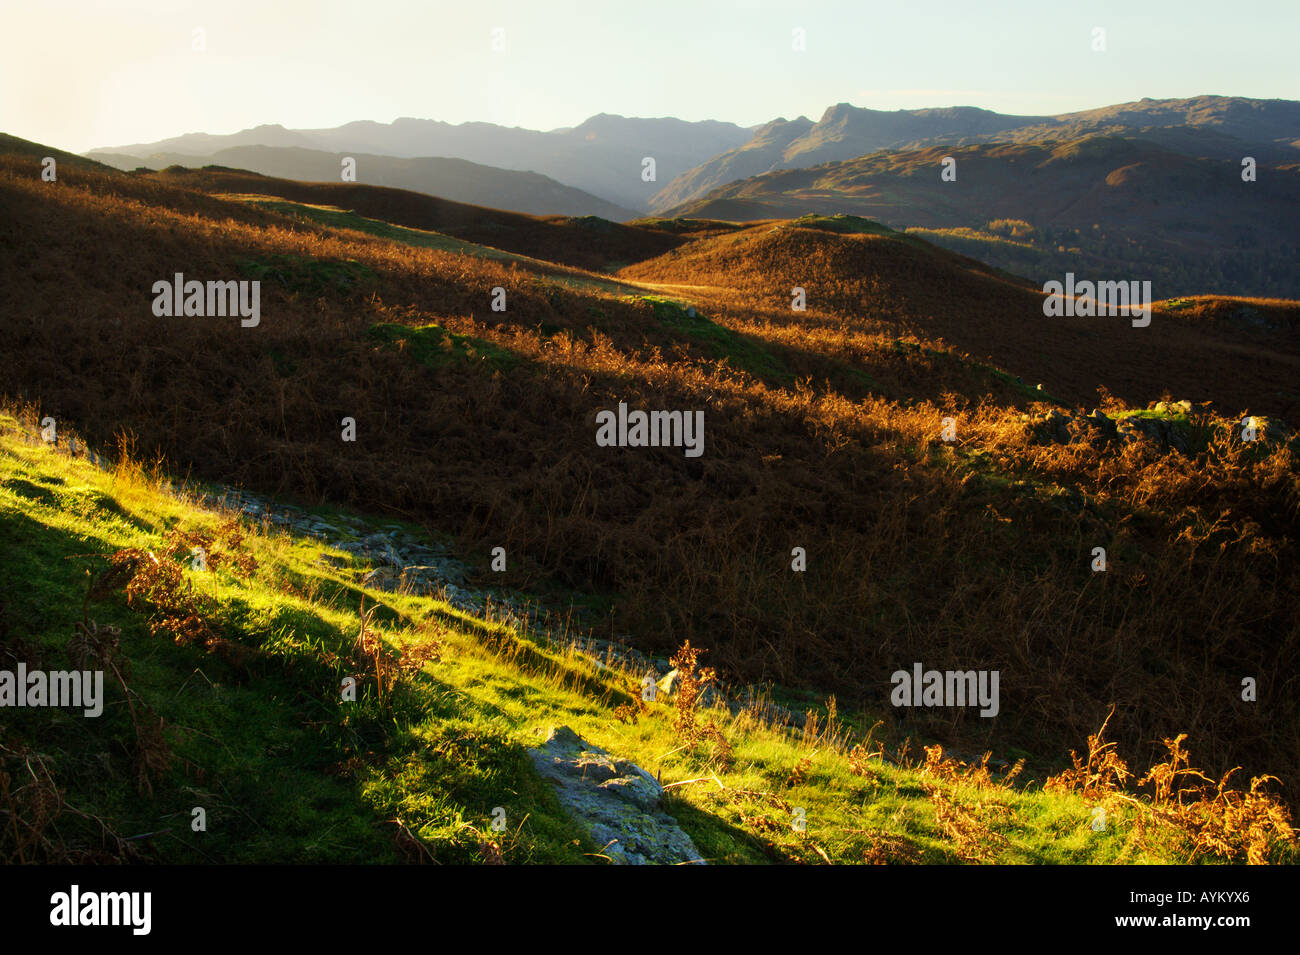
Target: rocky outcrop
(400,561)
(1165,426)
(616,801)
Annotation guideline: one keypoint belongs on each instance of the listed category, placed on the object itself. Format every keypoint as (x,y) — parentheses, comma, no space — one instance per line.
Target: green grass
(434,346)
(741,351)
(288,772)
(426,239)
(1151,414)
(856,225)
(308,275)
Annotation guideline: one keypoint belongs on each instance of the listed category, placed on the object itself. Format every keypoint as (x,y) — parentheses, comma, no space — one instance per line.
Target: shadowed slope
(584,242)
(892,279)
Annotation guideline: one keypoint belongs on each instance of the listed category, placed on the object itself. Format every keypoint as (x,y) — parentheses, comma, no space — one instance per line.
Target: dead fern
(629,712)
(972,839)
(889,849)
(1103,773)
(373,658)
(1231,824)
(692,680)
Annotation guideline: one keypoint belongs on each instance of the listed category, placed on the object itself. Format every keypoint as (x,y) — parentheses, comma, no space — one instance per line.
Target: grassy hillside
(224,695)
(868,285)
(823,431)
(588,243)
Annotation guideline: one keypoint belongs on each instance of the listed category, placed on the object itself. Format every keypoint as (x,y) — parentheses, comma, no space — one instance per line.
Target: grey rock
(1056,424)
(618,802)
(422,580)
(382,578)
(1099,420)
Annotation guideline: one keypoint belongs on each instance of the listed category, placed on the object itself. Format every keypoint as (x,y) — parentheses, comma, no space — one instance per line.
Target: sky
(77,74)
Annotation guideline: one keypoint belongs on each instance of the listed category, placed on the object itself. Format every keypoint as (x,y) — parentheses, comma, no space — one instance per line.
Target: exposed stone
(381,578)
(426,579)
(1097,426)
(1099,420)
(618,802)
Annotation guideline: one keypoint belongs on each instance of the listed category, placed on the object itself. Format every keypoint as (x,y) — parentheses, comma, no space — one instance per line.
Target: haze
(85,74)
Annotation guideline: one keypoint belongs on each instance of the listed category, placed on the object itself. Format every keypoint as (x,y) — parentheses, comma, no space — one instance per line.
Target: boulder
(1099,420)
(382,578)
(616,801)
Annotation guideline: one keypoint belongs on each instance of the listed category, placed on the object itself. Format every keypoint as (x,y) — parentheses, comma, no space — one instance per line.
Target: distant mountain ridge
(456,179)
(602,155)
(1101,205)
(1216,127)
(601,159)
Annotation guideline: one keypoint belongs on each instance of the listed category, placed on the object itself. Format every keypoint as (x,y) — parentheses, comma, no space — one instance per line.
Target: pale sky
(77,74)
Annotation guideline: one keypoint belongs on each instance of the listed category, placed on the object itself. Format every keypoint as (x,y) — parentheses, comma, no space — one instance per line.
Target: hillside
(1102,207)
(454,179)
(823,431)
(583,242)
(239,715)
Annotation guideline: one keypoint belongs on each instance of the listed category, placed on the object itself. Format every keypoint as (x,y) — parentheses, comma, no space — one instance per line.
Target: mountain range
(455,179)
(1153,186)
(602,155)
(1220,127)
(1098,206)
